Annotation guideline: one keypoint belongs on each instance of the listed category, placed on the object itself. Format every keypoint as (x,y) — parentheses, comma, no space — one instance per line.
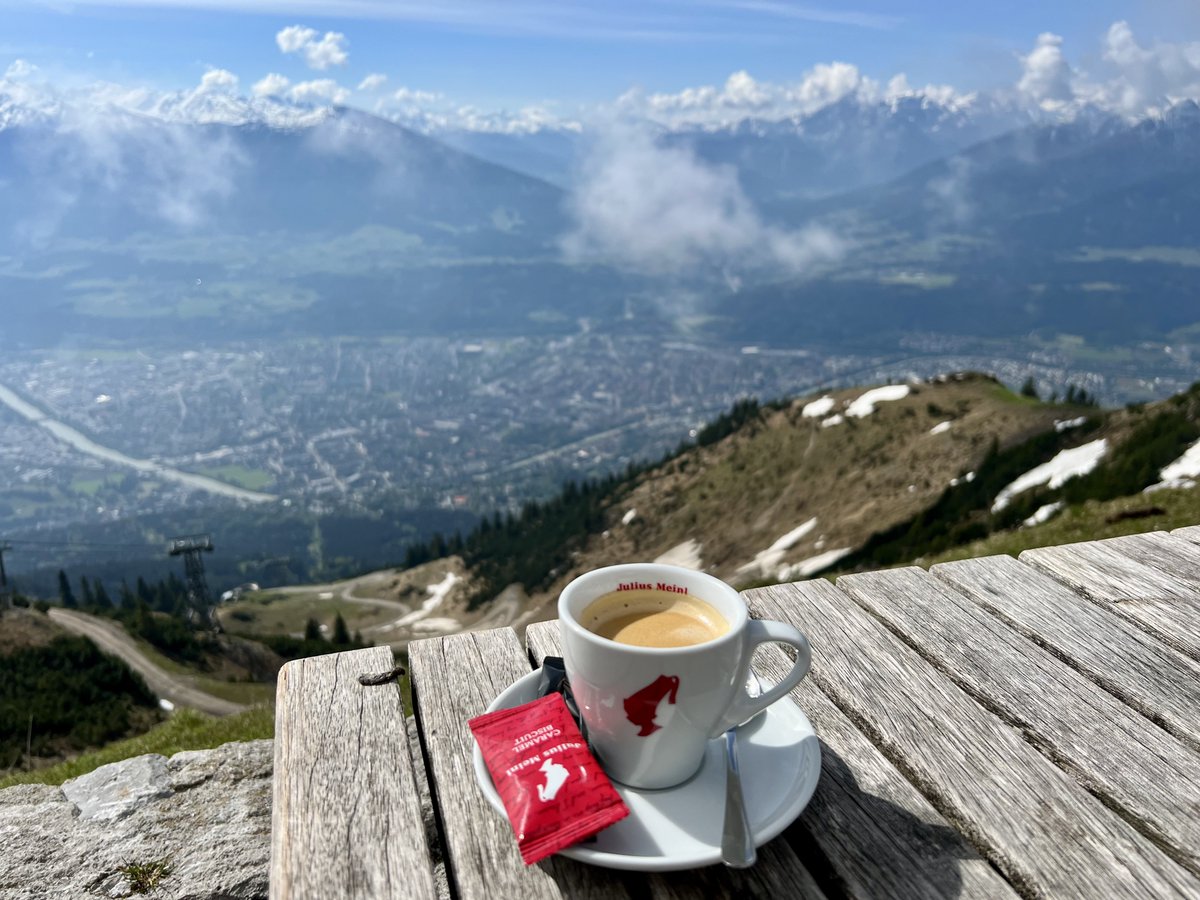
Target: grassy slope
(1087,522)
(738,496)
(185,730)
(1135,438)
(286,612)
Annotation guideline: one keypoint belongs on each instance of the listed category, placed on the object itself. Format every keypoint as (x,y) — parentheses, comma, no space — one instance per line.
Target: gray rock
(207,814)
(116,790)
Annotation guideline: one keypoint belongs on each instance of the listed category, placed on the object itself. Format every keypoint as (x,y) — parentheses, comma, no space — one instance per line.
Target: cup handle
(758,631)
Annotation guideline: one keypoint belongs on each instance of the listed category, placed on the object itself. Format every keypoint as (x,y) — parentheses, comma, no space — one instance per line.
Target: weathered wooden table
(992,727)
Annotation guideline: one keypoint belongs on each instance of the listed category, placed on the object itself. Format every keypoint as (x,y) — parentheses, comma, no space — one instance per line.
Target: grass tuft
(144,878)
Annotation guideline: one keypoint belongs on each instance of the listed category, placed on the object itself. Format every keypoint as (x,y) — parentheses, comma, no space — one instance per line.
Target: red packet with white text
(554,791)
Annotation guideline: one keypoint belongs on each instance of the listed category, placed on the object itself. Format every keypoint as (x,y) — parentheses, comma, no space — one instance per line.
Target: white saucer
(680,828)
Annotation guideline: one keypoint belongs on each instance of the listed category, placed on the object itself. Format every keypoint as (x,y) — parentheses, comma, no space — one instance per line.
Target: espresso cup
(652,706)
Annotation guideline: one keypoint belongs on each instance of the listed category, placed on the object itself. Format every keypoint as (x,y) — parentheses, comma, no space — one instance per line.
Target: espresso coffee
(653,618)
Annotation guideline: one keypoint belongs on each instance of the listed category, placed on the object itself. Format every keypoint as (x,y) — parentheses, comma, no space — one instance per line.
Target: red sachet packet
(554,791)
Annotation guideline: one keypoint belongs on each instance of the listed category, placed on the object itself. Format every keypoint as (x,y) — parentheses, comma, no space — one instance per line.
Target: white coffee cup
(650,711)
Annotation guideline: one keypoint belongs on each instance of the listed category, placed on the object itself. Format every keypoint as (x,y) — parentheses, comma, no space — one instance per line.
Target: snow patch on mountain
(818,408)
(812,565)
(1182,472)
(1066,465)
(765,561)
(1043,514)
(865,404)
(1061,425)
(686,555)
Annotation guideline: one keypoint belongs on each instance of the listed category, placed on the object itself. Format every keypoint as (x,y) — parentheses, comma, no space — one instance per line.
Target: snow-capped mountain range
(860,132)
(849,201)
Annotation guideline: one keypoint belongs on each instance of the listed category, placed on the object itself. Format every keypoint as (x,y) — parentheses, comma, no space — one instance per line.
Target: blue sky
(565,56)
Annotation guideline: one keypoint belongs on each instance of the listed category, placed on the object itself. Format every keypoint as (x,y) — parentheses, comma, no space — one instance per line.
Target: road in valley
(84,444)
(110,638)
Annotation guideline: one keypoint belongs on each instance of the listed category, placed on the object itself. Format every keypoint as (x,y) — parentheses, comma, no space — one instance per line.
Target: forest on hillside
(65,696)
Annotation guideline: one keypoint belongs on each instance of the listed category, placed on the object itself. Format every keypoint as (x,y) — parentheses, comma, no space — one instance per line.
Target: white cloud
(294,37)
(527,120)
(945,95)
(408,95)
(1046,77)
(219,80)
(19,69)
(322,89)
(950,193)
(657,208)
(330,50)
(739,97)
(742,96)
(373,82)
(1149,78)
(271,85)
(827,83)
(432,111)
(1130,80)
(743,90)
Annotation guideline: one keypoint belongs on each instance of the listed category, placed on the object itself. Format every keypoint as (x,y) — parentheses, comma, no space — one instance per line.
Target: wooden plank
(454,679)
(776,874)
(1157,601)
(346,815)
(1175,556)
(1152,678)
(1109,577)
(1188,533)
(1040,828)
(866,823)
(1134,766)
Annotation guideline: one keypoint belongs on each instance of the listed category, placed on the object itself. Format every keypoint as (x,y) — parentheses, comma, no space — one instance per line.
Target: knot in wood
(367,679)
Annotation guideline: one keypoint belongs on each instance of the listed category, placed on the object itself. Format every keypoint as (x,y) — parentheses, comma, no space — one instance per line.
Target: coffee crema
(653,618)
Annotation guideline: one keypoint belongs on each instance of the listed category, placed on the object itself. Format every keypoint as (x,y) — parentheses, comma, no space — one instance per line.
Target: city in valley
(476,425)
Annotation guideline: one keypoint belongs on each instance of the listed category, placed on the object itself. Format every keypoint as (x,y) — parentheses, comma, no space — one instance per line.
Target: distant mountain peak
(222,108)
(30,105)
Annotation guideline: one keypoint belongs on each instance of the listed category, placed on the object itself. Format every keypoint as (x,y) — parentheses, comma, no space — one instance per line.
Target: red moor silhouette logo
(642,707)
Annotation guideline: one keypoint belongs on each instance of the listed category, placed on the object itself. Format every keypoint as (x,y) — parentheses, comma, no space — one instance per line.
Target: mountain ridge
(850,479)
